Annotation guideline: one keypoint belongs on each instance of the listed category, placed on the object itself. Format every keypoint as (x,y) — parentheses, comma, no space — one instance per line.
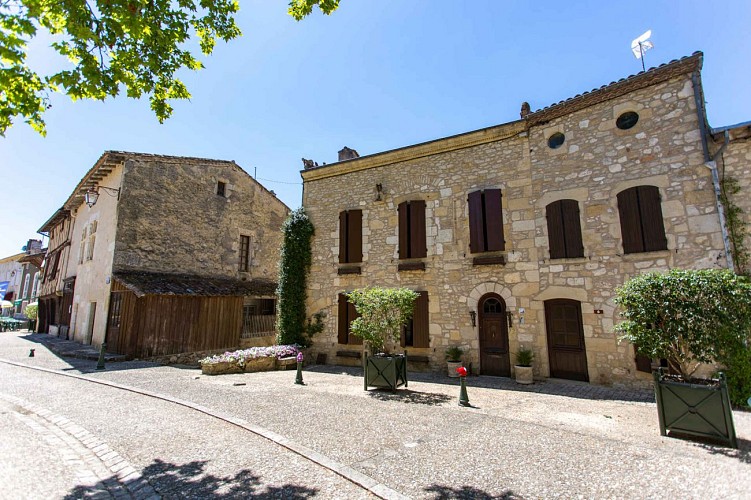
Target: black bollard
(31,353)
(298,378)
(102,351)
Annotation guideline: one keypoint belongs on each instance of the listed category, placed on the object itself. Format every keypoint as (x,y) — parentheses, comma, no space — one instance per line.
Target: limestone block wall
(172,219)
(735,163)
(595,163)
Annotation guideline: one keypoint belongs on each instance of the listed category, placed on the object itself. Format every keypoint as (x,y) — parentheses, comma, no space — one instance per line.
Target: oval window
(627,120)
(556,140)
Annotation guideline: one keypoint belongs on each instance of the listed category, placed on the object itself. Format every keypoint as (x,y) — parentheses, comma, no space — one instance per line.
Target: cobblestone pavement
(551,440)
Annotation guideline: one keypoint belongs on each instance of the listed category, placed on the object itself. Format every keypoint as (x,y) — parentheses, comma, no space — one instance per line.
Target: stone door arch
(493,334)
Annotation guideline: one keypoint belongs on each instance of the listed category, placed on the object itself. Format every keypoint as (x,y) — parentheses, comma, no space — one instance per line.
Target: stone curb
(366,482)
(124,478)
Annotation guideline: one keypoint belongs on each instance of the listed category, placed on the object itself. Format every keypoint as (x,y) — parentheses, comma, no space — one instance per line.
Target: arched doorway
(566,350)
(494,357)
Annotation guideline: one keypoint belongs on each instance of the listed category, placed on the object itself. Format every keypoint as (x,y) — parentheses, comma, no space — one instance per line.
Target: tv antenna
(640,45)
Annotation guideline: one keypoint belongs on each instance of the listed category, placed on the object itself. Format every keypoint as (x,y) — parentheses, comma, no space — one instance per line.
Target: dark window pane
(556,140)
(627,120)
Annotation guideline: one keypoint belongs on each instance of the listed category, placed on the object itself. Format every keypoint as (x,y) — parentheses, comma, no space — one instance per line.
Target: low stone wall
(251,366)
(186,358)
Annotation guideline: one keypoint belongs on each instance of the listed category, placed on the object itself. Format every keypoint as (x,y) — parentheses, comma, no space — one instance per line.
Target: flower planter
(387,372)
(523,374)
(695,409)
(264,364)
(452,366)
(220,368)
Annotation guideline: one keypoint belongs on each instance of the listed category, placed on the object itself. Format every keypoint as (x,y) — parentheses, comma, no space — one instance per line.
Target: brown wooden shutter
(556,239)
(572,228)
(343,242)
(404,230)
(417,244)
(643,363)
(354,236)
(652,225)
(628,209)
(351,316)
(494,220)
(343,323)
(420,322)
(476,223)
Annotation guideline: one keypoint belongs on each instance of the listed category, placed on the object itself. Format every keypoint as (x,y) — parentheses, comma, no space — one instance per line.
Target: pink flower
(299,357)
(461,371)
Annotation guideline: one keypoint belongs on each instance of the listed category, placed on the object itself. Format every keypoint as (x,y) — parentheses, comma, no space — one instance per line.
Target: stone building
(517,235)
(10,281)
(169,254)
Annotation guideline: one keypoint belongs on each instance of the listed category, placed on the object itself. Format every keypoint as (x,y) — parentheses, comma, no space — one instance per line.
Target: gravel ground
(554,441)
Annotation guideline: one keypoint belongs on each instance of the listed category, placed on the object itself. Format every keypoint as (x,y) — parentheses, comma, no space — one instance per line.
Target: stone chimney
(33,246)
(525,110)
(348,154)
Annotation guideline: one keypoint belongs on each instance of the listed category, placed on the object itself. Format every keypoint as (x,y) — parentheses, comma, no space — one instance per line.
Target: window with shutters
(485,221)
(244,253)
(642,227)
(564,229)
(346,315)
(350,237)
(416,332)
(412,244)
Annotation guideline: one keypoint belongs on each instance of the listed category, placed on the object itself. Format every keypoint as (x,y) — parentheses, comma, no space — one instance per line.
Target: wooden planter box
(695,409)
(260,364)
(220,368)
(387,372)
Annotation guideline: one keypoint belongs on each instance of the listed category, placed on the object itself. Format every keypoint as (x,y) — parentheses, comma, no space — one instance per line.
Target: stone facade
(596,161)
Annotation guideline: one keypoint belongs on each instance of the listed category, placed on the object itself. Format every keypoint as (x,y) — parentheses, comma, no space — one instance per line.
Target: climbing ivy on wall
(736,225)
(294,267)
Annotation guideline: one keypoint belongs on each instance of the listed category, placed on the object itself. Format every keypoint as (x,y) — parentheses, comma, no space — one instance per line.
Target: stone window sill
(411,266)
(569,260)
(349,270)
(489,260)
(631,257)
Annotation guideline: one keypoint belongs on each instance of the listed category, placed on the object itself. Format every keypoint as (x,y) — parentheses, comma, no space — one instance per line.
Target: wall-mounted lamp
(92,195)
(510,318)
(473,317)
(379,192)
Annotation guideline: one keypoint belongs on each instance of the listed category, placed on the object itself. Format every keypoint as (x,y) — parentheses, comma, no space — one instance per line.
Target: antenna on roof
(640,45)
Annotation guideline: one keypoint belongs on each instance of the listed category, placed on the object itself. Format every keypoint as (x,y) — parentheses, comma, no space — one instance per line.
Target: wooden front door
(566,351)
(113,321)
(494,357)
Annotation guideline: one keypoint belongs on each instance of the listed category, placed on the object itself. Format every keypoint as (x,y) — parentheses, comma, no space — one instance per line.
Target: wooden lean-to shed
(156,314)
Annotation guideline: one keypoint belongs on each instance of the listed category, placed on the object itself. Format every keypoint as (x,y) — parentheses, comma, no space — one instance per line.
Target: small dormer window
(627,120)
(556,140)
(221,188)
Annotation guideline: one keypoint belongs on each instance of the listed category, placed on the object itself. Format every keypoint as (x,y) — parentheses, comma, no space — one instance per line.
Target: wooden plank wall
(158,325)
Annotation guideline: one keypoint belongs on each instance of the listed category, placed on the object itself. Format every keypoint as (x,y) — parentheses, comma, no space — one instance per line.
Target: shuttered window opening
(485,221)
(642,226)
(350,236)
(564,229)
(244,253)
(346,315)
(412,238)
(416,332)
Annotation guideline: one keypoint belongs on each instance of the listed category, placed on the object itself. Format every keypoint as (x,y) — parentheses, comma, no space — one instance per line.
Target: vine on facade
(737,230)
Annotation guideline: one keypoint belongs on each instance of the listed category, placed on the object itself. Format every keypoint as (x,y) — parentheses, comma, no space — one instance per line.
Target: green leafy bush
(524,357)
(31,311)
(454,353)
(382,312)
(294,266)
(688,317)
(737,367)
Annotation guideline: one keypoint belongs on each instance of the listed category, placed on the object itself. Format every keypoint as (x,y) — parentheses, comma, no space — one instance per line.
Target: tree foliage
(688,317)
(382,312)
(31,311)
(294,266)
(112,45)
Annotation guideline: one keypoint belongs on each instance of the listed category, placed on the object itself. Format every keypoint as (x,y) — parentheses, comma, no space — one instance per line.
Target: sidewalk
(552,439)
(71,349)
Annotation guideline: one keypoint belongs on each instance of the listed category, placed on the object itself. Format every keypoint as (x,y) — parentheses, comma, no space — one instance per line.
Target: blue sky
(375,75)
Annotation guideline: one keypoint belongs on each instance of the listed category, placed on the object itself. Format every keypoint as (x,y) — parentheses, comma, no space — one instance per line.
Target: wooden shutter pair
(350,236)
(564,229)
(485,221)
(420,323)
(346,315)
(642,227)
(412,238)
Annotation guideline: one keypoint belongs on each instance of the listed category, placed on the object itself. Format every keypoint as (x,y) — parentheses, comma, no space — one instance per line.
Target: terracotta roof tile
(147,283)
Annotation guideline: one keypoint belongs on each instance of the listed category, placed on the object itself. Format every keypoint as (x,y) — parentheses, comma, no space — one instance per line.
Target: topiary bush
(688,317)
(737,367)
(382,312)
(294,266)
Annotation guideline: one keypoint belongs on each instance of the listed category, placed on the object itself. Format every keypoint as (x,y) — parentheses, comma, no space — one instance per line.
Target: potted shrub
(382,312)
(454,359)
(523,366)
(689,318)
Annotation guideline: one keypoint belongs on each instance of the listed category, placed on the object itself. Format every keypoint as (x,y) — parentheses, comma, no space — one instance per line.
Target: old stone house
(168,254)
(55,290)
(517,235)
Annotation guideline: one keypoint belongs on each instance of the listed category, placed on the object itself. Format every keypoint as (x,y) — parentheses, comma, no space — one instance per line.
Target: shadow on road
(190,481)
(408,396)
(467,492)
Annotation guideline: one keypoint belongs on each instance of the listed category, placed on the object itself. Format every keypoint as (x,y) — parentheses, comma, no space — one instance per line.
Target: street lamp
(92,194)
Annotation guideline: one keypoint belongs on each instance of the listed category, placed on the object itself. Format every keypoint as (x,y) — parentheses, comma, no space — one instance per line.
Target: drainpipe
(711,163)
